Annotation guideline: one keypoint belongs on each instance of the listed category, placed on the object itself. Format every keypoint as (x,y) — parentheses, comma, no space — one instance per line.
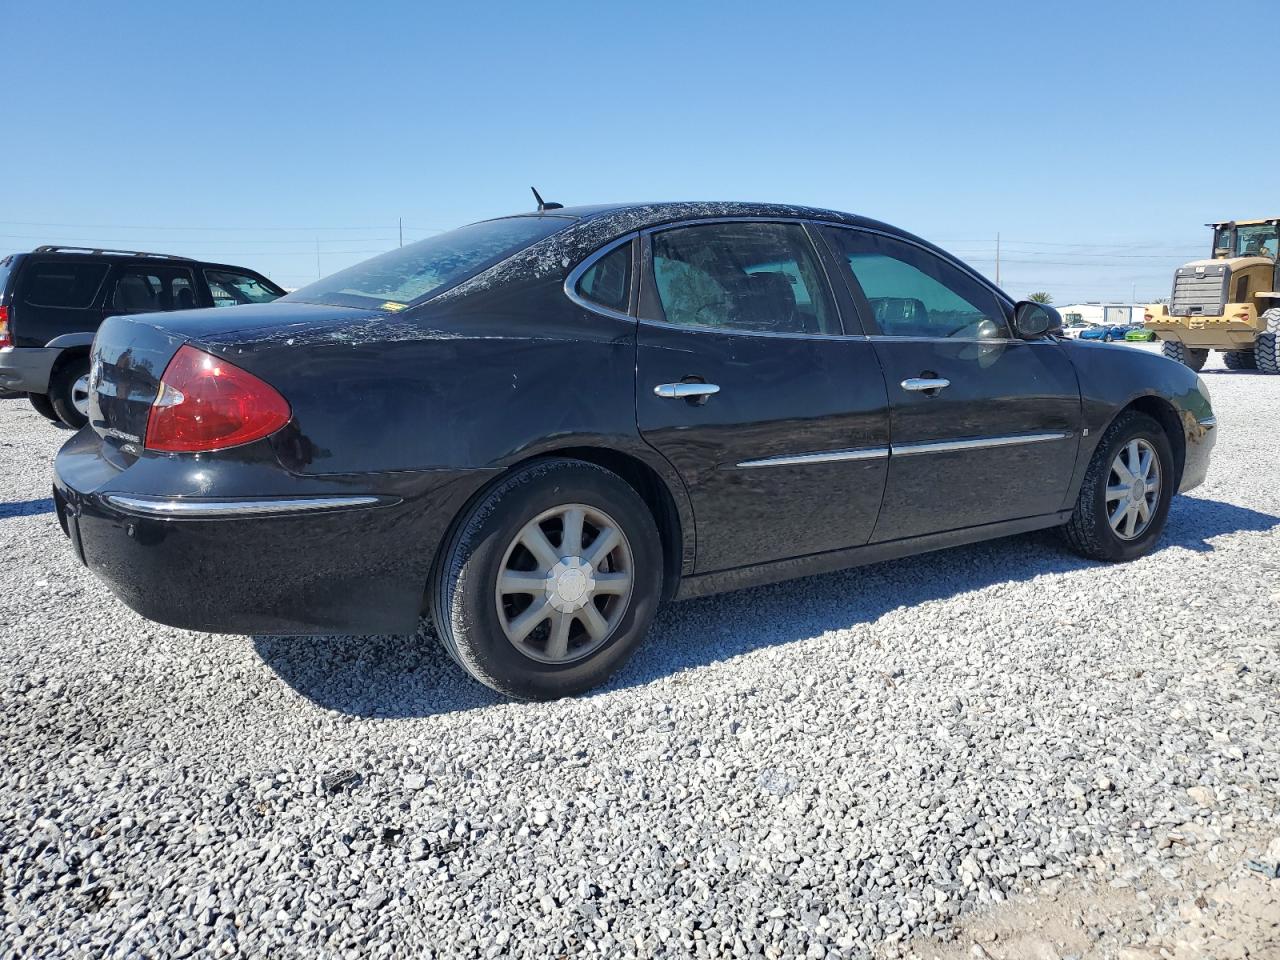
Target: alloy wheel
(564,583)
(1133,489)
(80,395)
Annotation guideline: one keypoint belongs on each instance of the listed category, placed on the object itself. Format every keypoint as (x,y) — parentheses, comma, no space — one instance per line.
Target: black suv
(53,299)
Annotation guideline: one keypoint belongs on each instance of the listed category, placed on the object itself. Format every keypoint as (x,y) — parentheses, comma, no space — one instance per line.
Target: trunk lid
(130,354)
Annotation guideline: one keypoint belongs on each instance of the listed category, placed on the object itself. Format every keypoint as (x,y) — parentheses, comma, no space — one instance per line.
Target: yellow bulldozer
(1230,302)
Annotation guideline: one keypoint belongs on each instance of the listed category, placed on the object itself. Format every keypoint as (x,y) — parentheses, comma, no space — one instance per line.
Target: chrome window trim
(571,281)
(950,258)
(208,509)
(825,456)
(736,332)
(978,443)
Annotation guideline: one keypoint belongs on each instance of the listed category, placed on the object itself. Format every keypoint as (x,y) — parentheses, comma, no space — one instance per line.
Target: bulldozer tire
(1240,360)
(1264,348)
(1175,350)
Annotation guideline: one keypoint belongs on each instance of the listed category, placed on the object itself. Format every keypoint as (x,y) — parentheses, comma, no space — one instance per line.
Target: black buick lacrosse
(535,429)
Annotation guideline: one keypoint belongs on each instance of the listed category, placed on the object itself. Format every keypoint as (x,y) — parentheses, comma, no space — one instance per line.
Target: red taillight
(6,338)
(206,403)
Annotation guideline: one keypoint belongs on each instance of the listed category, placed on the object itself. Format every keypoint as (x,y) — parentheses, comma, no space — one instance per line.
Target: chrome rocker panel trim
(829,456)
(948,446)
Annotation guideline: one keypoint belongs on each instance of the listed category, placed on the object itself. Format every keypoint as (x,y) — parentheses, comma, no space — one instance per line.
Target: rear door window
(761,277)
(231,289)
(69,286)
(152,289)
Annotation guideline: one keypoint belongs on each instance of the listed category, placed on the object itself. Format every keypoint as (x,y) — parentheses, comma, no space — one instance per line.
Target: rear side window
(608,280)
(233,289)
(742,276)
(6,266)
(71,286)
(146,289)
(408,274)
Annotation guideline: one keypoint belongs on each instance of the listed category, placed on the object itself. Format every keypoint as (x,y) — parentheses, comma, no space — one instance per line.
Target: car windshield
(410,274)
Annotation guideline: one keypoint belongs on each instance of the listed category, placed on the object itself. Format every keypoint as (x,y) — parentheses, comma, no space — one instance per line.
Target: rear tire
(1106,338)
(478,613)
(1240,360)
(1264,348)
(69,391)
(42,406)
(1090,531)
(1180,352)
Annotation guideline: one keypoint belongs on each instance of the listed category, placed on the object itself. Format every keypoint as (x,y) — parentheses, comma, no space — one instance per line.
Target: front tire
(69,392)
(1240,360)
(549,582)
(1183,354)
(1264,348)
(1124,497)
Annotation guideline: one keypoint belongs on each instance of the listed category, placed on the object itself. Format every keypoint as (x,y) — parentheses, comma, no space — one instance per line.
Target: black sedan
(539,427)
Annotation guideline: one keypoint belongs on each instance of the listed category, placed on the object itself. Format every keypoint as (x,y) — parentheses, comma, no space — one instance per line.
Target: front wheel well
(1163,412)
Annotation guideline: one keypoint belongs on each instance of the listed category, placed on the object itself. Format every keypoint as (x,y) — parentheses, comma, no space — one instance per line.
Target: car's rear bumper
(356,563)
(26,369)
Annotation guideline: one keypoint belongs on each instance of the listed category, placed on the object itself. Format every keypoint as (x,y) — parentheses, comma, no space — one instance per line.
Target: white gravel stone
(824,768)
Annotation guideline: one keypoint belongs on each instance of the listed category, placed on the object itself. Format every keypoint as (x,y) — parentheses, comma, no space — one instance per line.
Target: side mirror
(1032,320)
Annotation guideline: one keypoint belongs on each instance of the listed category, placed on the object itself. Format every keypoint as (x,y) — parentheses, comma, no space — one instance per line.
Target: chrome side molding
(175,507)
(826,456)
(979,443)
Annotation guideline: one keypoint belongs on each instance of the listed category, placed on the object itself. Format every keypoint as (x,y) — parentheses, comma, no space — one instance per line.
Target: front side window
(408,274)
(608,280)
(233,289)
(913,293)
(742,276)
(67,285)
(148,289)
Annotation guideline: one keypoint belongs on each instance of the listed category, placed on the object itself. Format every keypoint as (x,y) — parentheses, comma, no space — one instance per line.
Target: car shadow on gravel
(26,508)
(412,676)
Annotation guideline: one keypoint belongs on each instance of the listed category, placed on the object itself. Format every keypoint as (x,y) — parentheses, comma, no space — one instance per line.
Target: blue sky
(1096,138)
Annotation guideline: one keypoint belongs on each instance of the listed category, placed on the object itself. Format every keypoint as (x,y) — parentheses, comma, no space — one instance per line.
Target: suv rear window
(66,285)
(233,289)
(421,269)
(6,264)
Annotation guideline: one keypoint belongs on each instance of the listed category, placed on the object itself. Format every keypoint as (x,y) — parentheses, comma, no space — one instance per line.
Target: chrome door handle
(685,391)
(925,383)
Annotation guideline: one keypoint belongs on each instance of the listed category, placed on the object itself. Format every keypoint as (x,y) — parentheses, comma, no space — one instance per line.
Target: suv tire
(65,388)
(40,402)
(1090,531)
(1240,360)
(1176,350)
(480,624)
(1264,348)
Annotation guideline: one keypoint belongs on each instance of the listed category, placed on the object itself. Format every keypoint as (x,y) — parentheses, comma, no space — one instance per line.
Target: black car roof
(641,215)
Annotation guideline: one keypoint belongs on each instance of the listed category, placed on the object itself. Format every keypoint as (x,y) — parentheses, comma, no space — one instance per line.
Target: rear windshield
(413,273)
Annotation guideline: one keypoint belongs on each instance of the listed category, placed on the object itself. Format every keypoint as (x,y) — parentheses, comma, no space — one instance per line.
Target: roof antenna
(543,206)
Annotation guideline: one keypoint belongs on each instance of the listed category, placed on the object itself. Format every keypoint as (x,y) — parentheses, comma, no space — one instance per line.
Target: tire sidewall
(60,392)
(469,575)
(1133,426)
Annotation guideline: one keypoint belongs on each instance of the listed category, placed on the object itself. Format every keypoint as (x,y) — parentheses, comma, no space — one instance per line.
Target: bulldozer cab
(1246,238)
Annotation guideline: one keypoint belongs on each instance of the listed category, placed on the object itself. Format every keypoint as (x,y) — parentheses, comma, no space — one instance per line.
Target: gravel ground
(891,761)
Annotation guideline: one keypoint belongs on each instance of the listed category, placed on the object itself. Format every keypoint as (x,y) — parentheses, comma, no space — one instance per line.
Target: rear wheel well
(68,355)
(653,491)
(635,473)
(1163,412)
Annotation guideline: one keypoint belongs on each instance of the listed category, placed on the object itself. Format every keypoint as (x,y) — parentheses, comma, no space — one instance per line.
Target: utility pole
(997,258)
(402,231)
